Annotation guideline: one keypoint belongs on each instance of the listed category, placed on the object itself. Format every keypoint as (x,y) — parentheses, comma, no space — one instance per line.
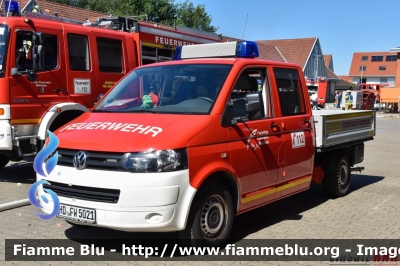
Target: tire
(337,179)
(3,160)
(210,218)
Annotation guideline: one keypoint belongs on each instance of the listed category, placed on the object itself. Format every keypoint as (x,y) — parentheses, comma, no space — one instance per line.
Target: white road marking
(380,204)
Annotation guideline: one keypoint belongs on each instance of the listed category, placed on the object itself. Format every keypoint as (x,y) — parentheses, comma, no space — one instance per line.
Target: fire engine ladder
(127,24)
(132,25)
(51,17)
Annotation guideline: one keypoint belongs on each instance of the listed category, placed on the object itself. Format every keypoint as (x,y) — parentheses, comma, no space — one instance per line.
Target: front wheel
(211,217)
(3,160)
(337,179)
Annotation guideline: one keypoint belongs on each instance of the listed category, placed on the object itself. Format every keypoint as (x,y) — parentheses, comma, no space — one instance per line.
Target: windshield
(177,89)
(3,47)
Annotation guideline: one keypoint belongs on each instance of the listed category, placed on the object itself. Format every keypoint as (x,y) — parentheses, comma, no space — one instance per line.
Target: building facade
(374,68)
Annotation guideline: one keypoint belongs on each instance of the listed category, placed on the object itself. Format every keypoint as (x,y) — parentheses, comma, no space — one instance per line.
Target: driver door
(31,99)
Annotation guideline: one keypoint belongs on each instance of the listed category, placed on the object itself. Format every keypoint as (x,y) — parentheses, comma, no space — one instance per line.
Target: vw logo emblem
(80,160)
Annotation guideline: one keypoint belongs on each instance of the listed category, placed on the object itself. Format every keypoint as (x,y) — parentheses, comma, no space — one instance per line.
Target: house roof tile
(346,78)
(65,11)
(70,12)
(330,73)
(293,50)
(328,61)
(270,52)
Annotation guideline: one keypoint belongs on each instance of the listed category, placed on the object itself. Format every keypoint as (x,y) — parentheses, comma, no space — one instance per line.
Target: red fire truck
(318,86)
(52,70)
(208,144)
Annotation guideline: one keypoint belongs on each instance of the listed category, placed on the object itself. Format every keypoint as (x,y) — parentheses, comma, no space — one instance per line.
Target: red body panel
(4,91)
(263,161)
(130,132)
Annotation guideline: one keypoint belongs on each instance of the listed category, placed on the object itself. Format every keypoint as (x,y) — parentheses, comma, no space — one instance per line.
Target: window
(391,58)
(289,89)
(383,80)
(382,68)
(173,89)
(110,55)
(251,81)
(24,58)
(78,50)
(364,58)
(50,52)
(363,68)
(377,58)
(24,51)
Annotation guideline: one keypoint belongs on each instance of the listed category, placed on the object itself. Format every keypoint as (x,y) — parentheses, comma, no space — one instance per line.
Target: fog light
(153,218)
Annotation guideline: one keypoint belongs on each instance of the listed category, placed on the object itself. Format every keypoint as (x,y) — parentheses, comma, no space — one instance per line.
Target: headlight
(157,161)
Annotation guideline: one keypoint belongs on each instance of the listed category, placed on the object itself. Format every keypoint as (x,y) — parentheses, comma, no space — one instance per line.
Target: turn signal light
(2,111)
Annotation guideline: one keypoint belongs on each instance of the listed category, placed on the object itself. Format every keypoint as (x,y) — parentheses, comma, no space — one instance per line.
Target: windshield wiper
(102,111)
(139,111)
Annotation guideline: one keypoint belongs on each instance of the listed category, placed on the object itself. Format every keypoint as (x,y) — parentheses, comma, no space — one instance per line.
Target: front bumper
(148,202)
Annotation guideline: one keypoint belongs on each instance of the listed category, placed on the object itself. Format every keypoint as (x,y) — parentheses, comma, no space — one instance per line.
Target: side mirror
(98,98)
(14,72)
(32,76)
(242,109)
(254,105)
(39,58)
(38,38)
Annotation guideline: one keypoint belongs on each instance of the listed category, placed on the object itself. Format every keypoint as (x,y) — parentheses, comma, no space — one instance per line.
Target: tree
(161,11)
(194,17)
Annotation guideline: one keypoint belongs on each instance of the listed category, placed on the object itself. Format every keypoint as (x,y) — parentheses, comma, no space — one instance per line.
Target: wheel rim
(342,174)
(213,216)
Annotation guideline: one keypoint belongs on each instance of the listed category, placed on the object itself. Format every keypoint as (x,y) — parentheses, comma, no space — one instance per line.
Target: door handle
(60,90)
(274,127)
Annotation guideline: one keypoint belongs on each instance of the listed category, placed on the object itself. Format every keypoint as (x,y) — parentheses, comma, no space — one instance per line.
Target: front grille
(95,160)
(84,193)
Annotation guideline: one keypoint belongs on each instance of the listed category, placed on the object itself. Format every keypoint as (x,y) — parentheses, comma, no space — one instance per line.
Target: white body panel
(334,127)
(147,202)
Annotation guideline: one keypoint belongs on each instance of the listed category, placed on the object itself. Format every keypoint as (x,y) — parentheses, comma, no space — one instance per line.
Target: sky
(342,27)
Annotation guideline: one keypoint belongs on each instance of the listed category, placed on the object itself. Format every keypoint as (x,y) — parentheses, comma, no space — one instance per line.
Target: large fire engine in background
(52,70)
(318,86)
(377,89)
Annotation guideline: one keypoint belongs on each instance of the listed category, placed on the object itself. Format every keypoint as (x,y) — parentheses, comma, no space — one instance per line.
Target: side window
(78,52)
(24,50)
(50,52)
(254,82)
(110,55)
(289,90)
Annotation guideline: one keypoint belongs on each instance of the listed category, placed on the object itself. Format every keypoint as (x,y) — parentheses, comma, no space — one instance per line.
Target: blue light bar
(247,49)
(178,52)
(244,49)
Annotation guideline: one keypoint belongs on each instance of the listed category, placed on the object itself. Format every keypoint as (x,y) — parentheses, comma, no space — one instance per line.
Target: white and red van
(186,145)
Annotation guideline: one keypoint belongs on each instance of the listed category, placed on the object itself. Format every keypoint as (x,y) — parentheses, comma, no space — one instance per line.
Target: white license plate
(74,213)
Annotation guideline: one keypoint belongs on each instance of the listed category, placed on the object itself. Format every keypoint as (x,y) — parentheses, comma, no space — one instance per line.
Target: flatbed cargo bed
(334,128)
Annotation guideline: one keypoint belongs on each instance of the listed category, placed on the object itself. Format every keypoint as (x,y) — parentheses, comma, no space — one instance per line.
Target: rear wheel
(3,160)
(337,179)
(211,217)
